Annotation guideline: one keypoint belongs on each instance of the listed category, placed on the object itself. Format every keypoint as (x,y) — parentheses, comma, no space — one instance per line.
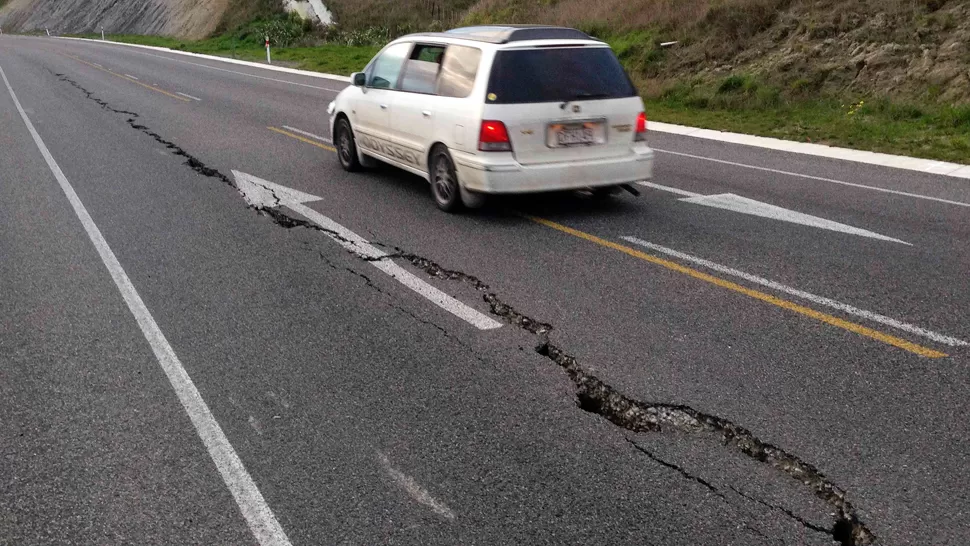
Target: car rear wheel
(444,181)
(346,146)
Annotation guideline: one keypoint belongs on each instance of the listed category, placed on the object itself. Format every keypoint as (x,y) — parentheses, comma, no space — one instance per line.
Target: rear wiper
(585,96)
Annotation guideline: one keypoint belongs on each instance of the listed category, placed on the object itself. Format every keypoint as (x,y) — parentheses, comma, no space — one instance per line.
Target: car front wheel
(444,181)
(346,145)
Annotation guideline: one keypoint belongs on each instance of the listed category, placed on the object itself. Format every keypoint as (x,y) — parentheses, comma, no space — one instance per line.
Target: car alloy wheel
(346,147)
(444,182)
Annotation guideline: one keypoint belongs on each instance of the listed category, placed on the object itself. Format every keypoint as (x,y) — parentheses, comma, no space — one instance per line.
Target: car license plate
(578,134)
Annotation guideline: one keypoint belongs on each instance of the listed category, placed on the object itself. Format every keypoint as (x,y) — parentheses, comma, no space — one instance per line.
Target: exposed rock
(183,18)
(943,74)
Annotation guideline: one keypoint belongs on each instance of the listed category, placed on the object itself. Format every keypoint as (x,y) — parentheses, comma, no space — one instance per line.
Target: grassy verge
(801,111)
(328,58)
(738,103)
(741,104)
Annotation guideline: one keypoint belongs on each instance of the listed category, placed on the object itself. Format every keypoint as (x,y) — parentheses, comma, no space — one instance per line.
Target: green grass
(742,104)
(328,58)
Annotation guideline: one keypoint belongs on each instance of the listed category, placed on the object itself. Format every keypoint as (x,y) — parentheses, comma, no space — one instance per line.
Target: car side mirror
(359,79)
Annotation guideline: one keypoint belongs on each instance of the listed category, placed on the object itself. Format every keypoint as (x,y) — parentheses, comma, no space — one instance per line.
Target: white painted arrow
(263,194)
(736,203)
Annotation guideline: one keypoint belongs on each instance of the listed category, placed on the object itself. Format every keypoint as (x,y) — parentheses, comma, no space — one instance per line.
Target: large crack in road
(593,395)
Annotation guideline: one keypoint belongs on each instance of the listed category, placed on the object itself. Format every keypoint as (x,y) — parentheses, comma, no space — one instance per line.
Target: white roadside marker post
(102,33)
(268,61)
(48,31)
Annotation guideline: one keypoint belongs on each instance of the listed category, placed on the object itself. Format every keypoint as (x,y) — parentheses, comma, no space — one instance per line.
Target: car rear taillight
(494,137)
(641,127)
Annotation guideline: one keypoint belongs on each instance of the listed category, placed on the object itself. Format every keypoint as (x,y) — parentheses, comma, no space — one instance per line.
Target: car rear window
(557,74)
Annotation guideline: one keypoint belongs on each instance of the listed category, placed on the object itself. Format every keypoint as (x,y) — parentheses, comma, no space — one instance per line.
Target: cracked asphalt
(623,401)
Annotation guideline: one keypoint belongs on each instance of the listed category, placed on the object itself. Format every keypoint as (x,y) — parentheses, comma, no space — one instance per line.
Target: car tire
(445,188)
(346,145)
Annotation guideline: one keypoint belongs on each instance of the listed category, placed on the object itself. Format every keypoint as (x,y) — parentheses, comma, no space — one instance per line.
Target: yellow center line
(768,298)
(301,139)
(132,80)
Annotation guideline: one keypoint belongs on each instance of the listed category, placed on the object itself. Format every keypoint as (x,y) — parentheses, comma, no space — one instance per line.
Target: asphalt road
(710,377)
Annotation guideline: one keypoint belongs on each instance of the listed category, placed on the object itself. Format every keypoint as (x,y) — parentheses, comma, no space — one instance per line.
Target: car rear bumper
(500,173)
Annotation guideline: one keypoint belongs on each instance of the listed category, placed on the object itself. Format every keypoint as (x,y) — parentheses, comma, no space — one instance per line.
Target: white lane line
(820,300)
(677,191)
(818,178)
(262,66)
(188,96)
(415,490)
(311,135)
(97,65)
(260,518)
(132,77)
(265,194)
(238,72)
(957,170)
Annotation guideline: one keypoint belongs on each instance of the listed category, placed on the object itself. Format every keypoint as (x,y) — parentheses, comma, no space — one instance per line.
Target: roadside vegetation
(930,130)
(888,75)
(326,57)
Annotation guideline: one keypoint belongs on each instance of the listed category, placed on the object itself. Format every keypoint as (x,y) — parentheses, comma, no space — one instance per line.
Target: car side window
(458,71)
(387,67)
(421,69)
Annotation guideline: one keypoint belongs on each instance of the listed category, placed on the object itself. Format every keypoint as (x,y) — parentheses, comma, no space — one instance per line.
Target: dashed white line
(97,65)
(820,300)
(257,513)
(132,77)
(187,96)
(818,178)
(415,490)
(311,135)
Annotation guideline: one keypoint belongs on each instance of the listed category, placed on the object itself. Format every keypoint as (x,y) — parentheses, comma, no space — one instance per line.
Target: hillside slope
(183,18)
(896,48)
(917,49)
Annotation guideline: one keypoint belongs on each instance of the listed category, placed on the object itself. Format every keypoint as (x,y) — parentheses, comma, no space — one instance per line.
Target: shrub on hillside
(284,30)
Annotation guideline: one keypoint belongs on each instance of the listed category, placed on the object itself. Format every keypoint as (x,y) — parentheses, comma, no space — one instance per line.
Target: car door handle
(383,107)
(426,113)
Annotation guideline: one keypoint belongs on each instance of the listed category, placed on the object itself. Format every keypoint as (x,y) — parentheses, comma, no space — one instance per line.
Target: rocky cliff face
(181,18)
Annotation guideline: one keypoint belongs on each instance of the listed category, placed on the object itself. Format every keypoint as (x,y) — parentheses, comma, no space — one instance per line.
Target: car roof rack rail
(503,34)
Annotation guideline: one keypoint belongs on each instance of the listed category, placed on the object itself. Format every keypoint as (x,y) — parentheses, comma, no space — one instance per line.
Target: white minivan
(496,110)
